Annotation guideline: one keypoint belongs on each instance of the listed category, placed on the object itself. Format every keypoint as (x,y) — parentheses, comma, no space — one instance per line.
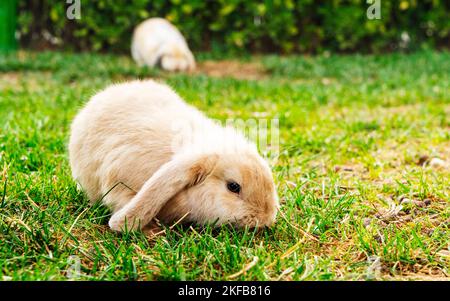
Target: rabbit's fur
(157,42)
(166,159)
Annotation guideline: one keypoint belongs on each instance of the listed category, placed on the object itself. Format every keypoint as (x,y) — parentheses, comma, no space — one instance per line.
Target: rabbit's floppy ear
(171,178)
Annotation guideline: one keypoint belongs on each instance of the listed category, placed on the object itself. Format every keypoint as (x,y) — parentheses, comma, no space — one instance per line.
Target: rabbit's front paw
(120,222)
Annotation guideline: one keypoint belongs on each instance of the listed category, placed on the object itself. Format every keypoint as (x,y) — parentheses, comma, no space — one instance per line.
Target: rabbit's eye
(234,187)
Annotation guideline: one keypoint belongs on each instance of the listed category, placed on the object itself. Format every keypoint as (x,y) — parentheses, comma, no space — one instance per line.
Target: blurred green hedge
(250,25)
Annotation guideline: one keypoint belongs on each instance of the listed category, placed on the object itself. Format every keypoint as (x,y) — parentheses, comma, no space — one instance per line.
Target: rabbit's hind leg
(117,195)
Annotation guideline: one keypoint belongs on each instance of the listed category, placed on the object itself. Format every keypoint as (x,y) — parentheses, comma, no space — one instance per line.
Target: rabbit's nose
(269,221)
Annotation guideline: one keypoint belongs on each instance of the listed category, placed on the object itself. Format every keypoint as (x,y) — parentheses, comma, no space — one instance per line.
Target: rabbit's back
(159,29)
(124,134)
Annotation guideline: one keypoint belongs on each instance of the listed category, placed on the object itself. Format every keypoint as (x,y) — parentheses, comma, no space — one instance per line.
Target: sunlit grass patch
(363,171)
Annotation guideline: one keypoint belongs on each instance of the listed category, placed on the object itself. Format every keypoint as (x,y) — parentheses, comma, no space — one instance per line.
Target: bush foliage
(224,25)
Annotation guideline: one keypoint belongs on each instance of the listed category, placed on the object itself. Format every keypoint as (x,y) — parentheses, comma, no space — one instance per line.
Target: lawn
(363,170)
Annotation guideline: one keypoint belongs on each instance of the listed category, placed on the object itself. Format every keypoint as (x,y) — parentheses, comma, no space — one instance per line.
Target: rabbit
(147,154)
(157,42)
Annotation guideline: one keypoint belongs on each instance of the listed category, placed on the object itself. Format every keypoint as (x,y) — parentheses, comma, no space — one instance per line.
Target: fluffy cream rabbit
(166,159)
(157,42)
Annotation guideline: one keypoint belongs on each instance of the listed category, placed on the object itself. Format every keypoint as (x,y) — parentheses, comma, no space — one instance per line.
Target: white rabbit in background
(156,42)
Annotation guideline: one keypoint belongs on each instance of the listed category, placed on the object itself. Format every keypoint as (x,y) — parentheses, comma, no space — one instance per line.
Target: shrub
(250,25)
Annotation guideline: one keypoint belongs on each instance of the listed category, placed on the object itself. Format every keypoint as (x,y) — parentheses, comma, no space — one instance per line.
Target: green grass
(352,131)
